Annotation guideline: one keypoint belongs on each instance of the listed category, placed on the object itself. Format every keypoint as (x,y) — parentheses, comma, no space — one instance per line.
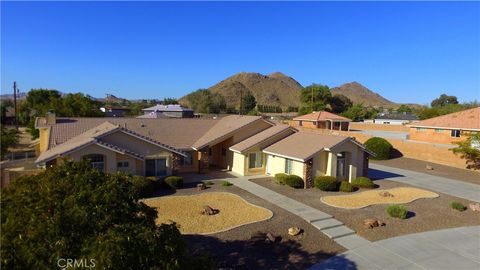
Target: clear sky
(406,51)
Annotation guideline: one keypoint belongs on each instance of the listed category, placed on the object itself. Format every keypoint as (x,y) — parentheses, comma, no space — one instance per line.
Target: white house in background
(394,118)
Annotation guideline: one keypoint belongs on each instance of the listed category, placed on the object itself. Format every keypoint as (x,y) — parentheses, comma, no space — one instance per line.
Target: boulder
(207,210)
(428,167)
(201,186)
(372,223)
(293,231)
(385,194)
(270,238)
(474,206)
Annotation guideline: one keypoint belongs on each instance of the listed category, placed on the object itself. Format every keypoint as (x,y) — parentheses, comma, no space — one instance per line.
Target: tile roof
(167,108)
(225,127)
(261,137)
(303,145)
(321,116)
(468,120)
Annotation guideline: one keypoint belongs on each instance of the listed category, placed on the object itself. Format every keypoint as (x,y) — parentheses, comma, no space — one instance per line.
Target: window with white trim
(187,161)
(455,133)
(288,166)
(97,161)
(255,160)
(122,164)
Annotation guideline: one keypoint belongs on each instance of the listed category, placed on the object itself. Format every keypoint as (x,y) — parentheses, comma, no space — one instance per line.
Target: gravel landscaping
(424,214)
(231,211)
(371,197)
(240,248)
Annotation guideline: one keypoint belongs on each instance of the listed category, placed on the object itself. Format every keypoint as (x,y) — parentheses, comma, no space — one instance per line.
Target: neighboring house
(170,110)
(395,118)
(114,111)
(323,120)
(247,145)
(447,128)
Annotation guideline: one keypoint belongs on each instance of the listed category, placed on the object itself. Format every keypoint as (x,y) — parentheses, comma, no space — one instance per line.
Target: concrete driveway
(456,248)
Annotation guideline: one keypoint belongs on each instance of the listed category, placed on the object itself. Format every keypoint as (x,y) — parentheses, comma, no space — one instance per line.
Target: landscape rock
(207,210)
(201,186)
(293,231)
(271,238)
(474,206)
(428,167)
(372,223)
(385,194)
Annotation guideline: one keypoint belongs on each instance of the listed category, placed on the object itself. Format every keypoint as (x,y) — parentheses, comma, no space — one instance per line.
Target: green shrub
(294,181)
(345,187)
(226,184)
(397,211)
(280,178)
(381,147)
(174,181)
(458,206)
(363,182)
(326,183)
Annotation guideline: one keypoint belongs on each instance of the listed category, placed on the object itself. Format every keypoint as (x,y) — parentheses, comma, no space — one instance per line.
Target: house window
(420,129)
(386,123)
(288,166)
(438,130)
(122,164)
(300,123)
(97,161)
(156,167)
(187,161)
(224,152)
(255,160)
(455,133)
(336,125)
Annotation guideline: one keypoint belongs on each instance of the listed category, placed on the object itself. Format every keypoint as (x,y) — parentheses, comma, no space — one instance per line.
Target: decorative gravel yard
(233,211)
(371,197)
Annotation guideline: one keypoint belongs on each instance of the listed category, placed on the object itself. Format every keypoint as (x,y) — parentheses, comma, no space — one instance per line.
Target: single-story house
(323,120)
(447,128)
(169,110)
(114,111)
(394,118)
(247,145)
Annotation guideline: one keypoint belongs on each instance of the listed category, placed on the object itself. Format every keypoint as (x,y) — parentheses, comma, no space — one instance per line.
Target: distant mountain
(358,93)
(273,89)
(20,95)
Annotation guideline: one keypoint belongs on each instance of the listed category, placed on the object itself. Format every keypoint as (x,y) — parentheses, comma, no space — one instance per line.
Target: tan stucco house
(246,145)
(323,120)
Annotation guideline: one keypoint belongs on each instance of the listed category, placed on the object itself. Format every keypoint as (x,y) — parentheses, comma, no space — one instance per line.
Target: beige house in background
(246,145)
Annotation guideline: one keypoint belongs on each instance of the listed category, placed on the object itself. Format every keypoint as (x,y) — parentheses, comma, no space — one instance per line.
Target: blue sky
(406,51)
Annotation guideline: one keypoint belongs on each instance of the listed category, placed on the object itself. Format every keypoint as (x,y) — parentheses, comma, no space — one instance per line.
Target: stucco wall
(132,164)
(371,126)
(43,136)
(277,165)
(135,144)
(110,157)
(193,167)
(439,136)
(354,156)
(238,163)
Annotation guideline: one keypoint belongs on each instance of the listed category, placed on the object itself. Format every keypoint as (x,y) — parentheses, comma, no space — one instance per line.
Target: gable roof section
(321,116)
(301,146)
(225,128)
(468,120)
(261,137)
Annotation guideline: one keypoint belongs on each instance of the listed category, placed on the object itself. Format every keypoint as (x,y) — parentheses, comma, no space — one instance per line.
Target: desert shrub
(280,178)
(174,181)
(145,186)
(294,181)
(226,184)
(326,183)
(380,147)
(397,211)
(363,182)
(345,187)
(458,206)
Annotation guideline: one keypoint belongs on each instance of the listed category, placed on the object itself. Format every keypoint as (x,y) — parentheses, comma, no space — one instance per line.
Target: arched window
(97,161)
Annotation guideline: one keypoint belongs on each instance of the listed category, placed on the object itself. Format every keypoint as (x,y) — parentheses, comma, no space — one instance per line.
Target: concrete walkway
(452,187)
(456,248)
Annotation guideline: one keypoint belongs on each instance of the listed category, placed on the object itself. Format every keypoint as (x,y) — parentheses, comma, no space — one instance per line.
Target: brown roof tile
(468,119)
(261,137)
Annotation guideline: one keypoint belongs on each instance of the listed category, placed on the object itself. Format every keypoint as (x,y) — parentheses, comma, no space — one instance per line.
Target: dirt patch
(370,197)
(232,211)
(424,214)
(438,170)
(237,248)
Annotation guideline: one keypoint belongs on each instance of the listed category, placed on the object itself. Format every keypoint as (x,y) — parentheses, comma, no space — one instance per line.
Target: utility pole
(15,104)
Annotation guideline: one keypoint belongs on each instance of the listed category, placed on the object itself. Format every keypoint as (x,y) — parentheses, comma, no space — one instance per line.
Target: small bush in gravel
(397,211)
(280,178)
(458,206)
(345,187)
(363,182)
(326,183)
(294,181)
(380,147)
(174,181)
(226,184)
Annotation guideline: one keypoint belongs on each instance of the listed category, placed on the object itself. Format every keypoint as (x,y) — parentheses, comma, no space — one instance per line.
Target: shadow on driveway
(379,174)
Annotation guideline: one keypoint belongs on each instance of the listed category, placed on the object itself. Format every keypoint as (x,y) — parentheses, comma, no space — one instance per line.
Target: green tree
(340,103)
(358,112)
(79,105)
(248,103)
(404,109)
(167,101)
(75,211)
(9,137)
(40,101)
(444,100)
(469,150)
(204,101)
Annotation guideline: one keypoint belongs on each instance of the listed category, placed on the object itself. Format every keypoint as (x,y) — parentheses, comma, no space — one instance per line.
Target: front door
(268,165)
(342,166)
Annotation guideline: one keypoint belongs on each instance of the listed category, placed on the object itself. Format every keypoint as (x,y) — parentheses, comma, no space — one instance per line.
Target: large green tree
(340,103)
(444,100)
(470,151)
(204,101)
(358,112)
(314,98)
(248,103)
(74,211)
(9,137)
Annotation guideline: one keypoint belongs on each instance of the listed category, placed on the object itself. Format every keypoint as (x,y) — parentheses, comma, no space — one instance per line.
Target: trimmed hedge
(363,182)
(458,206)
(174,181)
(381,147)
(345,187)
(145,186)
(326,183)
(294,181)
(280,178)
(397,211)
(226,184)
